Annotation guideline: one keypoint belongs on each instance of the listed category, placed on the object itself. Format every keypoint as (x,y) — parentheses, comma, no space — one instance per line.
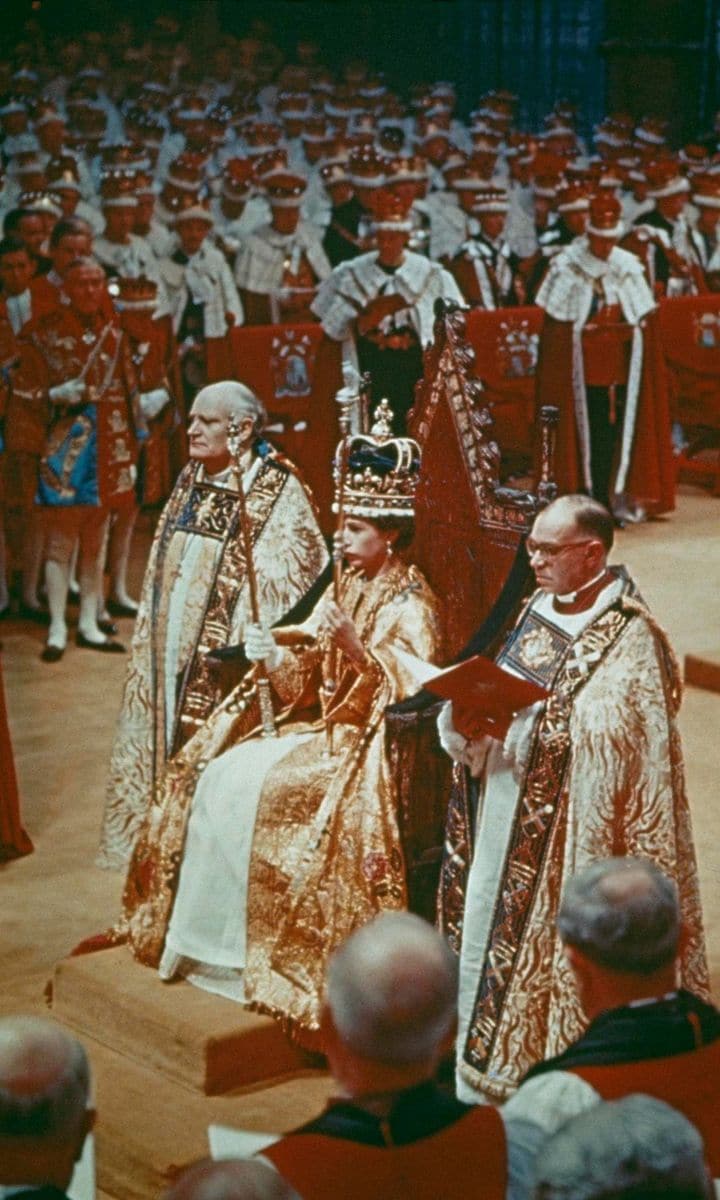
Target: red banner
(505,342)
(690,331)
(13,839)
(296,371)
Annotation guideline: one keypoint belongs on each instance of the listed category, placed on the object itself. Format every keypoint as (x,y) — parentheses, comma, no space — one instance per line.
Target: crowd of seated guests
(629,1110)
(240,187)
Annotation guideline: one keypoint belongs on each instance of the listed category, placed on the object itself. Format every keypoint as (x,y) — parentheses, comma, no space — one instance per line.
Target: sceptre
(267,715)
(347,398)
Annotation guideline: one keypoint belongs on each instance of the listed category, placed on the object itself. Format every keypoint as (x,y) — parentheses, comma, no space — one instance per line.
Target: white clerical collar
(221,478)
(229,475)
(571,597)
(646,1001)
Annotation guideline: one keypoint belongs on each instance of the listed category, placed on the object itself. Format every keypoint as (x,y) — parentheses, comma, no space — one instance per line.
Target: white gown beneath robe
(206,938)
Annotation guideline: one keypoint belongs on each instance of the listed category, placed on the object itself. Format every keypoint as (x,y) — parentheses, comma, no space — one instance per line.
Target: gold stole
(542,803)
(211,511)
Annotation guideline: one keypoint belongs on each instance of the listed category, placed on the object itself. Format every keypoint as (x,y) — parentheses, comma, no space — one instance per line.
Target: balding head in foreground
(391,999)
(623,913)
(629,1149)
(620,922)
(231,1179)
(391,1131)
(44,1117)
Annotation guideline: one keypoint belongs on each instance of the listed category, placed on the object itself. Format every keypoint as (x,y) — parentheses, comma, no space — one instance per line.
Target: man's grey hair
(623,913)
(392,990)
(44,1080)
(231,1179)
(238,401)
(631,1148)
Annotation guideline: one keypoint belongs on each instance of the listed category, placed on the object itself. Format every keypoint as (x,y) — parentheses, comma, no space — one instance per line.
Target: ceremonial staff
(347,398)
(267,715)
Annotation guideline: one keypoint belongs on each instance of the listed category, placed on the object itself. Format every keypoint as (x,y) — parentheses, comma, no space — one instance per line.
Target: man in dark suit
(44,1113)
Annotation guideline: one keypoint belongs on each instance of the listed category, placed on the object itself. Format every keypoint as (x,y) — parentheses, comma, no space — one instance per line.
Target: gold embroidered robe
(159,713)
(603,776)
(326,853)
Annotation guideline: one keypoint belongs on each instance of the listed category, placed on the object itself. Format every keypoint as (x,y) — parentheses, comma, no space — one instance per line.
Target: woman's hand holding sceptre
(343,632)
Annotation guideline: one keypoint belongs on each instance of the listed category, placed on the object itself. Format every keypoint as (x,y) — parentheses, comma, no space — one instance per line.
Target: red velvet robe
(14,842)
(688,1082)
(467,1156)
(651,479)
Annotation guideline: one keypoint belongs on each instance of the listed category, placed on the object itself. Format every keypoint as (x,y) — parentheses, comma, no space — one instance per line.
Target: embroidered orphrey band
(541,797)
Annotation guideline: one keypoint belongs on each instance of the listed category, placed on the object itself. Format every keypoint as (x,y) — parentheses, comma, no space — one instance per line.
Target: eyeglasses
(548,550)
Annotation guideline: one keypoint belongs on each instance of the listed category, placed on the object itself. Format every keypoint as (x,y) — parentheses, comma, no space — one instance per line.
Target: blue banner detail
(69,470)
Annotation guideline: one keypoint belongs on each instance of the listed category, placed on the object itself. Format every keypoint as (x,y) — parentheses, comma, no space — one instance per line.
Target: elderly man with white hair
(196,595)
(631,1149)
(388,1021)
(44,1112)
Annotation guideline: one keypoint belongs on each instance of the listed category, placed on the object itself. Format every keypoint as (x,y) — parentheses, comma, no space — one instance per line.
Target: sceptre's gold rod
(330,683)
(365,394)
(267,715)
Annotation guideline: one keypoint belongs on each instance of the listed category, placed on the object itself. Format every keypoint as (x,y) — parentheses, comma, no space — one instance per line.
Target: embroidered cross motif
(543,793)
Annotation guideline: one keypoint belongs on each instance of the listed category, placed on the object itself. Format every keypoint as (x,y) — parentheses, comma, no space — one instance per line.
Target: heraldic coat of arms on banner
(292,362)
(707,330)
(517,349)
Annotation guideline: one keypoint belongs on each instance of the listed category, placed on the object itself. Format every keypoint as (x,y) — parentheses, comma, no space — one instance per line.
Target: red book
(485,697)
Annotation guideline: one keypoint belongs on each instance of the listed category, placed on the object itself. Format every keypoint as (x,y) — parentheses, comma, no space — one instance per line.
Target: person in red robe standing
(14,842)
(601,363)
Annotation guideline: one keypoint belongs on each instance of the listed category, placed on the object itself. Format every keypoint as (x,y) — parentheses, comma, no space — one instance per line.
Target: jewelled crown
(381,471)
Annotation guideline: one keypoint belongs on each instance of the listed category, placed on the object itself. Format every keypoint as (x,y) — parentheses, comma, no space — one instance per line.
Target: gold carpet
(62,719)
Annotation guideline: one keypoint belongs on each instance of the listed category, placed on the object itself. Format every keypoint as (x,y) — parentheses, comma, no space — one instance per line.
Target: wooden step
(703,672)
(205,1042)
(150,1128)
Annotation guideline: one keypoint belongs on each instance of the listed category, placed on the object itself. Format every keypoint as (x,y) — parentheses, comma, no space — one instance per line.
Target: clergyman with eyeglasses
(593,771)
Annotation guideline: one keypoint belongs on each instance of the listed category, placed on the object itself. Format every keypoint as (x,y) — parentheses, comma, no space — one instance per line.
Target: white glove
(461,749)
(452,742)
(260,646)
(72,392)
(152,403)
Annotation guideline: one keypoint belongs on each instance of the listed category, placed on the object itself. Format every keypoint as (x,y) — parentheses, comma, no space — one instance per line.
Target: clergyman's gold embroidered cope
(289,553)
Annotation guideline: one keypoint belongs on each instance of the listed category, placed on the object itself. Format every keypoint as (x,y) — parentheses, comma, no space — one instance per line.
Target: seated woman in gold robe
(292,841)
